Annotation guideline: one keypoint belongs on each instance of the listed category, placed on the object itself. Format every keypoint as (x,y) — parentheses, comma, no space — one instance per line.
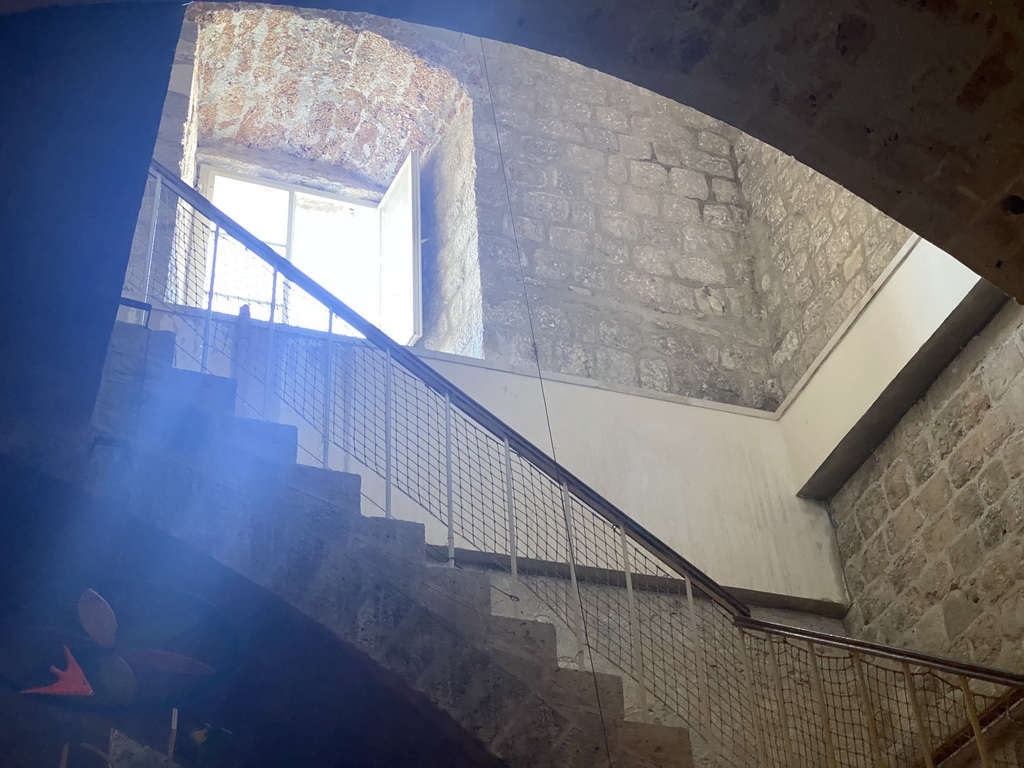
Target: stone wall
(817,249)
(452,311)
(628,217)
(572,220)
(931,526)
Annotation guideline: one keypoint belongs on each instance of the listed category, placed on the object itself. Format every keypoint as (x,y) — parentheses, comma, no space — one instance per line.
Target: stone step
(186,430)
(341,488)
(595,692)
(642,745)
(200,390)
(458,596)
(529,647)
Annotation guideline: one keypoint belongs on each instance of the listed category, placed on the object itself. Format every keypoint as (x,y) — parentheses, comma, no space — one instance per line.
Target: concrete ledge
(911,325)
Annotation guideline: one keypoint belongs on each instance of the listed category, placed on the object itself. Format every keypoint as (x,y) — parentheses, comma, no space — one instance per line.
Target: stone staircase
(170,444)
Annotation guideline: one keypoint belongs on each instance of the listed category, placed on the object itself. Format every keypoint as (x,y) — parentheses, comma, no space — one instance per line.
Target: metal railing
(754,693)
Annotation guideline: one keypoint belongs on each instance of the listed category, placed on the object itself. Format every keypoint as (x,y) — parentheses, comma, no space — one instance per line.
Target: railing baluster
(387,434)
(780,697)
(449,487)
(576,596)
(868,709)
(328,392)
(972,713)
(703,688)
(510,511)
(268,381)
(637,655)
(819,694)
(207,324)
(752,702)
(151,244)
(923,741)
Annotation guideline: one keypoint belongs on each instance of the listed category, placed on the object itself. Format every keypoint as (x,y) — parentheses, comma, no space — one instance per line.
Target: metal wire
(750,697)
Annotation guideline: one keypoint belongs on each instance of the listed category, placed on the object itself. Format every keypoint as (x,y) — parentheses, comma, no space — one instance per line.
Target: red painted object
(70,681)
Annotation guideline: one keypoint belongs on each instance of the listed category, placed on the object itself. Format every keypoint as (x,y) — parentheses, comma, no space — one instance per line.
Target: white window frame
(207,179)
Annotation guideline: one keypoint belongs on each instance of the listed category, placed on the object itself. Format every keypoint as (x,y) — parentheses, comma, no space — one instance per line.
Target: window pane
(260,209)
(241,278)
(337,244)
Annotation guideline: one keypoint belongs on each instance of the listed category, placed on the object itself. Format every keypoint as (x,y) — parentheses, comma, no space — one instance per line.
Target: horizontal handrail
(987,674)
(431,378)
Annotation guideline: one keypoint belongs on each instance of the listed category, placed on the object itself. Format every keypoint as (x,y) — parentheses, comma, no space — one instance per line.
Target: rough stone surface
(816,250)
(573,220)
(930,527)
(627,234)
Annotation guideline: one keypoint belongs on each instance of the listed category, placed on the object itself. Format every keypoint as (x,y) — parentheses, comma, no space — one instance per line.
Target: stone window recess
(365,253)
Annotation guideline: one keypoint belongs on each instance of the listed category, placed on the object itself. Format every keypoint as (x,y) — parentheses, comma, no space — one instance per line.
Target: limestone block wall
(930,528)
(639,242)
(817,249)
(628,216)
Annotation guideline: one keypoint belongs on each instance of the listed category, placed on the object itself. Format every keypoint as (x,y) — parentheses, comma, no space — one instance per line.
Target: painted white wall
(900,316)
(717,483)
(714,484)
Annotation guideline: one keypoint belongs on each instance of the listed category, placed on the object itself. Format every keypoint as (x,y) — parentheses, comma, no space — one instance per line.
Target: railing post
(703,685)
(204,357)
(449,487)
(748,677)
(268,381)
(510,511)
(328,392)
(819,693)
(972,713)
(915,706)
(780,697)
(151,244)
(571,542)
(634,623)
(387,434)
(868,709)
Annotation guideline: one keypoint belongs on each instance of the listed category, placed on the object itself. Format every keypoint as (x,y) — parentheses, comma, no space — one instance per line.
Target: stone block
(725,191)
(641,201)
(654,374)
(653,259)
(1001,369)
(559,130)
(695,269)
(680,209)
(713,144)
(544,151)
(634,148)
(572,241)
(992,482)
(648,175)
(546,206)
(622,226)
(584,159)
(602,139)
(552,265)
(612,119)
(688,183)
(616,367)
(958,611)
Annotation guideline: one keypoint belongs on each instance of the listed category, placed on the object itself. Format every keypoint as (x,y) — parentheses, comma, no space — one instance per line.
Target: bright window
(365,254)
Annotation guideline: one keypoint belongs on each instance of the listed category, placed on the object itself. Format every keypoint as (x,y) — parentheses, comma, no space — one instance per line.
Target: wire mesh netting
(749,697)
